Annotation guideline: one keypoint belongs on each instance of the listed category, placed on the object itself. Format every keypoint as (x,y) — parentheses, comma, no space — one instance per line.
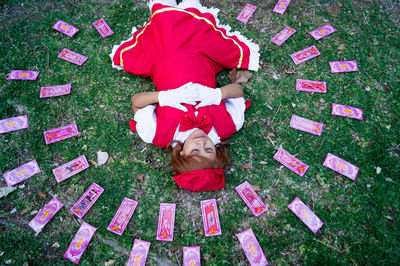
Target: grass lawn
(361,217)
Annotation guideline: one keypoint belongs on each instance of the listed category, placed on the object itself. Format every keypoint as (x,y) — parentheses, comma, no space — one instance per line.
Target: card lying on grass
(211,224)
(281,6)
(21,173)
(291,162)
(45,215)
(246,13)
(191,256)
(305,215)
(322,32)
(60,133)
(305,54)
(343,66)
(166,222)
(23,75)
(72,57)
(82,206)
(306,125)
(341,166)
(103,28)
(252,248)
(13,124)
(251,198)
(65,28)
(283,35)
(122,217)
(347,111)
(58,90)
(80,242)
(310,85)
(71,168)
(139,252)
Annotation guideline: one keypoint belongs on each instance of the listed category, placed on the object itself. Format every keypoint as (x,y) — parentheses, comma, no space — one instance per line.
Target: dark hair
(195,162)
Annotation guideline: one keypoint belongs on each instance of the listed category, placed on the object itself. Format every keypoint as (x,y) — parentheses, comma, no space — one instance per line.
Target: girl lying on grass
(182,48)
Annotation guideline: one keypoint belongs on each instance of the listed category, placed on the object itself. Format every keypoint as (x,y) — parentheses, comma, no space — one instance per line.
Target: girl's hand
(208,96)
(174,98)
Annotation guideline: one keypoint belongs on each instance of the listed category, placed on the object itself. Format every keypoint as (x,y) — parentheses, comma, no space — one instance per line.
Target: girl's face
(199,143)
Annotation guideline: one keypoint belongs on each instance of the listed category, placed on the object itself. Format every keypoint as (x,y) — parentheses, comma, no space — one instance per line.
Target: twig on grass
(279,108)
(329,246)
(366,20)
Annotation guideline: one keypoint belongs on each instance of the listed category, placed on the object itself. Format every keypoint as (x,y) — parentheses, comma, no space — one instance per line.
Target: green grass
(361,218)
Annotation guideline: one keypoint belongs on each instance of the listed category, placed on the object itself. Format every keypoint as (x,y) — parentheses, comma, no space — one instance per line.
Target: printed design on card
(251,198)
(281,6)
(246,13)
(252,248)
(57,90)
(166,220)
(122,217)
(283,35)
(211,223)
(305,215)
(341,166)
(61,133)
(310,86)
(82,206)
(103,28)
(322,32)
(305,54)
(23,75)
(72,57)
(191,256)
(306,125)
(347,111)
(65,28)
(79,243)
(343,66)
(13,124)
(21,173)
(138,253)
(291,162)
(45,215)
(71,168)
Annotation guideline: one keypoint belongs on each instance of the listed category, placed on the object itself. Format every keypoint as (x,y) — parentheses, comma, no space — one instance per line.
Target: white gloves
(173,98)
(207,96)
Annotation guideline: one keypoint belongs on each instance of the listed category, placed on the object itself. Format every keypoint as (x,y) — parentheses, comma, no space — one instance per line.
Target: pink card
(122,217)
(305,215)
(21,173)
(80,242)
(310,85)
(306,125)
(82,206)
(103,28)
(347,111)
(246,13)
(211,224)
(251,198)
(45,215)
(65,28)
(23,75)
(166,222)
(283,35)
(58,90)
(191,256)
(72,57)
(341,166)
(291,162)
(139,252)
(281,6)
(305,54)
(71,168)
(13,124)
(60,133)
(343,66)
(252,248)
(322,32)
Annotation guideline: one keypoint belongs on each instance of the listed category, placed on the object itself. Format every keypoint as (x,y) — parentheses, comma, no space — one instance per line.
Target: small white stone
(294,105)
(34,212)
(368,88)
(13,211)
(101,105)
(21,186)
(378,170)
(102,158)
(1,253)
(388,126)
(275,76)
(56,245)
(8,261)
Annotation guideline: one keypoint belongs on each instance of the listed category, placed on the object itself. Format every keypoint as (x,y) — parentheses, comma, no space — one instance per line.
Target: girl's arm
(143,99)
(232,91)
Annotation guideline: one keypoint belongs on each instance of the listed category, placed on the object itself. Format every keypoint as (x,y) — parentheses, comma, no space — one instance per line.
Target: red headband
(201,180)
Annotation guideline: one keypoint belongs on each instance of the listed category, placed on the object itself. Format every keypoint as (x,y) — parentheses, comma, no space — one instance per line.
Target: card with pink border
(52,91)
(322,32)
(139,252)
(71,168)
(191,256)
(305,215)
(341,166)
(72,57)
(281,6)
(60,133)
(166,222)
(306,125)
(283,35)
(65,28)
(305,55)
(252,248)
(291,162)
(347,111)
(80,242)
(122,217)
(343,66)
(21,173)
(13,124)
(251,198)
(23,75)
(310,86)
(82,206)
(209,210)
(103,28)
(45,215)
(246,13)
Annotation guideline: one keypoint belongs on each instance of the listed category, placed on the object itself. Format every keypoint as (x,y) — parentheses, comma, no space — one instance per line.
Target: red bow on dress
(203,122)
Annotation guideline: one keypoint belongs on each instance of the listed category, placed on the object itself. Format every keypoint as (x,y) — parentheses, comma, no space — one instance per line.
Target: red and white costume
(181,44)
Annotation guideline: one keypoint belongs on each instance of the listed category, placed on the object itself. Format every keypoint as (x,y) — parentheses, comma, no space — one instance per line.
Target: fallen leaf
(140,177)
(102,157)
(42,194)
(94,163)
(255,187)
(72,190)
(341,47)
(109,263)
(111,160)
(246,165)
(387,88)
(242,76)
(271,134)
(232,75)
(84,147)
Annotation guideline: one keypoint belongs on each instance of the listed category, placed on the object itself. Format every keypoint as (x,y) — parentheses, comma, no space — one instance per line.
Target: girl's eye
(209,150)
(195,151)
